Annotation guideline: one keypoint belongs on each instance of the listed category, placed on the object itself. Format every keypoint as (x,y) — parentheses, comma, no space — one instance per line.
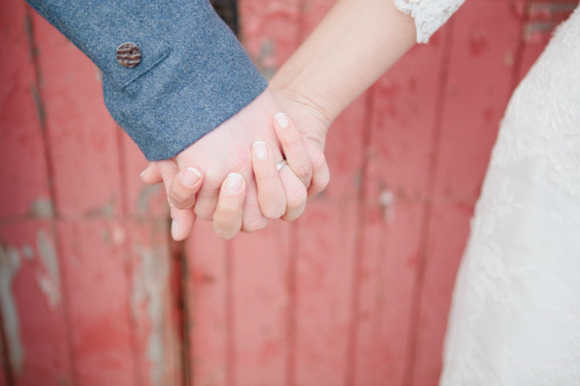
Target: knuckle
(291,138)
(319,161)
(296,197)
(228,209)
(181,199)
(255,225)
(274,212)
(266,176)
(203,213)
(303,172)
(224,231)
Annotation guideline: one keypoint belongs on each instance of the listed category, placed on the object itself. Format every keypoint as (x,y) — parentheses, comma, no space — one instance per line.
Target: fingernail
(282,120)
(261,150)
(174,229)
(142,173)
(190,177)
(234,183)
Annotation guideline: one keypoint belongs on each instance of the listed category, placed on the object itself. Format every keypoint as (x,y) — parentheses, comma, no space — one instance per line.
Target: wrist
(309,96)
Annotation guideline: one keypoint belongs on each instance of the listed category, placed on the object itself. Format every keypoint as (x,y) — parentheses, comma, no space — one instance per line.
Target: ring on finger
(281,164)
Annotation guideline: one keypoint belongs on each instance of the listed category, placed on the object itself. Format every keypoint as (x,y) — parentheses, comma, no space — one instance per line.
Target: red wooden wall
(356,292)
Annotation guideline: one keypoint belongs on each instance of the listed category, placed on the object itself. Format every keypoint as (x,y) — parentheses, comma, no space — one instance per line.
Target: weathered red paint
(479,82)
(402,144)
(33,314)
(355,293)
(23,170)
(209,306)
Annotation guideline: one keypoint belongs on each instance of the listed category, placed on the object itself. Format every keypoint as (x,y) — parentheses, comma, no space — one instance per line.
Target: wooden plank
(208,318)
(401,146)
(481,71)
(259,288)
(269,31)
(153,308)
(324,285)
(260,297)
(327,247)
(23,167)
(81,134)
(32,305)
(4,377)
(327,236)
(142,201)
(94,266)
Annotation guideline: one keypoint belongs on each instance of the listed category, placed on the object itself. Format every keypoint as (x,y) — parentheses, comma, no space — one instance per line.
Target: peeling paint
(387,200)
(9,265)
(145,197)
(48,276)
(42,207)
(106,210)
(149,286)
(27,252)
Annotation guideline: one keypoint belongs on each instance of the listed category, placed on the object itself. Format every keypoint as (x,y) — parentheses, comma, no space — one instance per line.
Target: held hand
(223,151)
(306,167)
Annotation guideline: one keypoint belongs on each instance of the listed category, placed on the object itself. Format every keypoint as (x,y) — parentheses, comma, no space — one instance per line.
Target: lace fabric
(429,15)
(515,318)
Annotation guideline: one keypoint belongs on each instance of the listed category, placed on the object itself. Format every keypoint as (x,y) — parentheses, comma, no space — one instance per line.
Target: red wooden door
(356,292)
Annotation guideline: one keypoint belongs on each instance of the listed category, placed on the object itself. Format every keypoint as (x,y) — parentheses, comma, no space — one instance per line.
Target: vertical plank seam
(351,345)
(40,107)
(230,333)
(128,265)
(290,378)
(50,168)
(8,376)
(294,252)
(519,57)
(183,299)
(412,345)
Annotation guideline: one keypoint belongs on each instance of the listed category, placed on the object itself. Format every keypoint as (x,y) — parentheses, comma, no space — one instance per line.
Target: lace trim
(429,15)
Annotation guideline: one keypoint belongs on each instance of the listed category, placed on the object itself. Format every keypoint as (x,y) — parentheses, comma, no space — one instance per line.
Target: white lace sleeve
(429,15)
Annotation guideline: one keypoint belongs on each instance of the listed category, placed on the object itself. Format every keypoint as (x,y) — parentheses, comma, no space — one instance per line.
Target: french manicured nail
(174,229)
(234,183)
(190,177)
(282,120)
(261,150)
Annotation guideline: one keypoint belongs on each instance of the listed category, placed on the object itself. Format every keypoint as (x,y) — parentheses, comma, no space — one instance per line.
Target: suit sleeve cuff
(193,74)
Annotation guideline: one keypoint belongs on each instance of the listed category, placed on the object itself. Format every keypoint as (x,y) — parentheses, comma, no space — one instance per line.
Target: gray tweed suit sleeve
(193,73)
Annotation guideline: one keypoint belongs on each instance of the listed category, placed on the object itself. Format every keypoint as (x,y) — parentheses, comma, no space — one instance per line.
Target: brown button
(128,55)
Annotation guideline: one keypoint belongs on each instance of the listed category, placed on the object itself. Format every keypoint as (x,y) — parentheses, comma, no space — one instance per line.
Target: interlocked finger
(294,148)
(182,219)
(320,171)
(227,218)
(296,195)
(271,195)
(184,188)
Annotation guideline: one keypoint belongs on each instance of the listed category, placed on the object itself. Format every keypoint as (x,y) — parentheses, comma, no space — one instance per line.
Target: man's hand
(230,150)
(306,168)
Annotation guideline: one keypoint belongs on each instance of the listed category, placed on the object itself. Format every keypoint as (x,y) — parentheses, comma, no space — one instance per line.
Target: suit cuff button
(128,55)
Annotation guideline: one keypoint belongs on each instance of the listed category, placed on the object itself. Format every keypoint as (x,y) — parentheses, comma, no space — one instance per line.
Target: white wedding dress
(515,317)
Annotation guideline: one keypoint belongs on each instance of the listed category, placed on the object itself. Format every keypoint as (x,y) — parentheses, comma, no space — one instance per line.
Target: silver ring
(281,164)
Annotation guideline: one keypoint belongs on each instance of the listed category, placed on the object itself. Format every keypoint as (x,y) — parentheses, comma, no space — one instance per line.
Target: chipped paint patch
(9,265)
(149,287)
(48,274)
(42,207)
(27,252)
(144,199)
